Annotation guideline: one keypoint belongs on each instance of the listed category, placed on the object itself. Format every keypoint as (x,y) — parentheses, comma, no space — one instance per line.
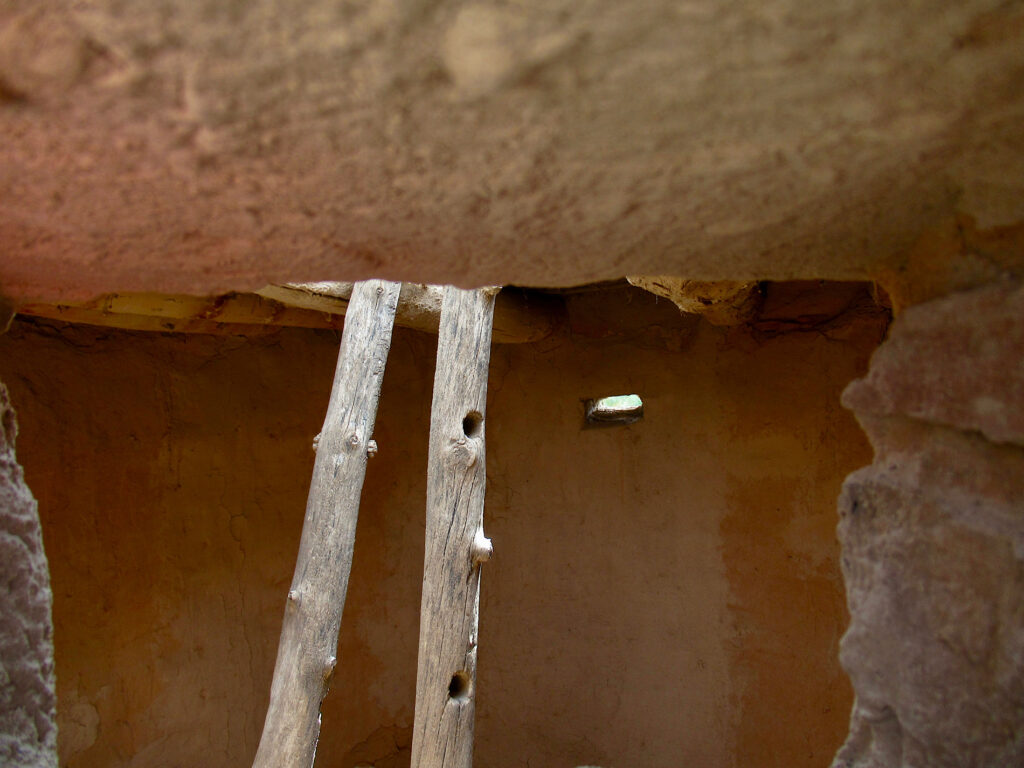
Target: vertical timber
(307,652)
(455,544)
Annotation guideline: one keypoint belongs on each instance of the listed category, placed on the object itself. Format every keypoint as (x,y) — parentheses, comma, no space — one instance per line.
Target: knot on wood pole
(371,448)
(462,452)
(328,671)
(316,442)
(294,599)
(482,548)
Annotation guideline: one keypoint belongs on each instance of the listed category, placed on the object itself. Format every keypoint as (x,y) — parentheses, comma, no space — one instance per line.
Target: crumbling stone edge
(28,722)
(932,538)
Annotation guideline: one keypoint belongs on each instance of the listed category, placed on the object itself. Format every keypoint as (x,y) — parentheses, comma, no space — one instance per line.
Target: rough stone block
(932,537)
(28,728)
(957,361)
(934,570)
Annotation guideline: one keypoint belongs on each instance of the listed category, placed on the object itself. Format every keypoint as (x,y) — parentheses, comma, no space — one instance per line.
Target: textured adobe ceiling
(202,145)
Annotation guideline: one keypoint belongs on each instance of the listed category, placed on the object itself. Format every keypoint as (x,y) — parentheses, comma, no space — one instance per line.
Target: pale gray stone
(932,537)
(958,360)
(28,726)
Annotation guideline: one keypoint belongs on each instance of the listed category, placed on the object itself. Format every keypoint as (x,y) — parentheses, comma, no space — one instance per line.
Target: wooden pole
(307,652)
(455,543)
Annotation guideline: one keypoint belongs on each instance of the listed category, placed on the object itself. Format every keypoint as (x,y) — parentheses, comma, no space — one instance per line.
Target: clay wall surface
(662,594)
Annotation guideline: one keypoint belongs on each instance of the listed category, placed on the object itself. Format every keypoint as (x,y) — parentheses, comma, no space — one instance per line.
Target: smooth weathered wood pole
(455,544)
(307,652)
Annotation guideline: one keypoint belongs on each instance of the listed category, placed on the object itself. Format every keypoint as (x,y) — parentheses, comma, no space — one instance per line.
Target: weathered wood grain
(520,316)
(307,652)
(231,313)
(455,544)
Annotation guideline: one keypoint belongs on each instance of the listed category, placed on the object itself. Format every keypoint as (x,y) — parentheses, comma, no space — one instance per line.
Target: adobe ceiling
(204,145)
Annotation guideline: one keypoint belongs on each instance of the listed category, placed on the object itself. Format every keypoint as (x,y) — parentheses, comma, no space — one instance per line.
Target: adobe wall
(662,594)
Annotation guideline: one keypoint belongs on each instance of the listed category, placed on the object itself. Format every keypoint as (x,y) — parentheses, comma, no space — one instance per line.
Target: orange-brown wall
(662,594)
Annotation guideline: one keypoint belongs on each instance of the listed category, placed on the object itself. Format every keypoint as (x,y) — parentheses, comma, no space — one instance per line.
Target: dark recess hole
(472,423)
(458,688)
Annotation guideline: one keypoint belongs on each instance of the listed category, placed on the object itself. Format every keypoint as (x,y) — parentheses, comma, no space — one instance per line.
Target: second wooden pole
(455,543)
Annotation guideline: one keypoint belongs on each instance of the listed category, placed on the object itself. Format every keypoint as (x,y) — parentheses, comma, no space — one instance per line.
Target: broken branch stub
(455,544)
(307,652)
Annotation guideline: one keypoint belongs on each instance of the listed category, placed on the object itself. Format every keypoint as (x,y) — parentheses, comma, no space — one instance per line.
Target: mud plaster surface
(661,595)
(202,145)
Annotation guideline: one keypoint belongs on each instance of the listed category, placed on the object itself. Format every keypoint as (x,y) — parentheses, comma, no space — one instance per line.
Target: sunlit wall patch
(613,410)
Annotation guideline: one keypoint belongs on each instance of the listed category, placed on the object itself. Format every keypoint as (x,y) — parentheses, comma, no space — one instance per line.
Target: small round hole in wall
(472,424)
(458,688)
